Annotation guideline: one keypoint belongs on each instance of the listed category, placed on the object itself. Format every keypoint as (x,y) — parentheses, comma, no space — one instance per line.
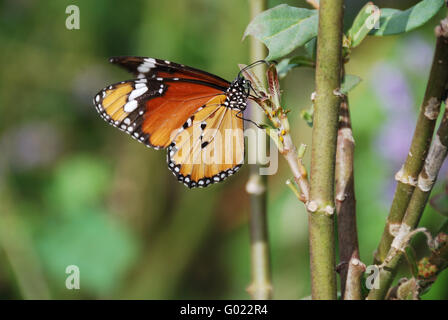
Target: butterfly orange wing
(151,110)
(182,108)
(210,147)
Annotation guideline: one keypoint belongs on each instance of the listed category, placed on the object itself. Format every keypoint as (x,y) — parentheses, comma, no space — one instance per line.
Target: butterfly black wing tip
(114,59)
(117,59)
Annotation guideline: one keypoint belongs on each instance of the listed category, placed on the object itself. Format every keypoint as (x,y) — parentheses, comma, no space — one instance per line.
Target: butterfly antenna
(253,64)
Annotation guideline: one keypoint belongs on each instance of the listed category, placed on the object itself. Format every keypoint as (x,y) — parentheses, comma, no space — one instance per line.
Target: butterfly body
(237,94)
(193,114)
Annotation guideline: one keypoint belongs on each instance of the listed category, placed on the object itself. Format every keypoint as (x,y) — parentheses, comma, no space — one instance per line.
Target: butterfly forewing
(124,104)
(156,68)
(168,113)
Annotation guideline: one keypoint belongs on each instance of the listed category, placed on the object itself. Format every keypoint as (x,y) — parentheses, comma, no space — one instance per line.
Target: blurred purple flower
(391,88)
(417,55)
(394,140)
(394,94)
(30,145)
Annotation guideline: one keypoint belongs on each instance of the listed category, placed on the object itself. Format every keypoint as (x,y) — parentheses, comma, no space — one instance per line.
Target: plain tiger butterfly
(193,114)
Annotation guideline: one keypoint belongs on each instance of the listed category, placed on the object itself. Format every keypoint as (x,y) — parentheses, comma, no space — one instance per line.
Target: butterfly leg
(251,121)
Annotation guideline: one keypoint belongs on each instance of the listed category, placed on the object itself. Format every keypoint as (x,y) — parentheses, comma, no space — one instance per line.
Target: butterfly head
(246,85)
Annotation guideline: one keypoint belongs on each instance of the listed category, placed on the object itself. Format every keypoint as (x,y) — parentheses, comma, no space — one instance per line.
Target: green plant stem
(350,268)
(407,176)
(326,112)
(436,155)
(18,247)
(152,277)
(428,269)
(280,133)
(261,286)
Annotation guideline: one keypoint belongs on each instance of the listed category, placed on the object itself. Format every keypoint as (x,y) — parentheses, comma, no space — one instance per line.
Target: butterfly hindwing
(210,147)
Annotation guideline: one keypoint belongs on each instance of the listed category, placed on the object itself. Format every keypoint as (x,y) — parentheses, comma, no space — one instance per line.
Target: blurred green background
(76,191)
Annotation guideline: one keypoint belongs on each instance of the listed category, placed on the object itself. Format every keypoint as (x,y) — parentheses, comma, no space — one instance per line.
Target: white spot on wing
(137,93)
(147,65)
(130,106)
(139,85)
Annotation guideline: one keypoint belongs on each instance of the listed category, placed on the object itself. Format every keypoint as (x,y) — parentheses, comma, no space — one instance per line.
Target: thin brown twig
(280,133)
(351,268)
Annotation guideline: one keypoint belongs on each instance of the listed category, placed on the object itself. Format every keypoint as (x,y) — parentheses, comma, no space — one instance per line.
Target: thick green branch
(407,176)
(326,112)
(261,287)
(436,155)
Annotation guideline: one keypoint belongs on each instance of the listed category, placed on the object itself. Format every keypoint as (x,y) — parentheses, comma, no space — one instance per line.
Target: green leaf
(364,22)
(349,83)
(412,260)
(394,21)
(283,29)
(288,64)
(311,48)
